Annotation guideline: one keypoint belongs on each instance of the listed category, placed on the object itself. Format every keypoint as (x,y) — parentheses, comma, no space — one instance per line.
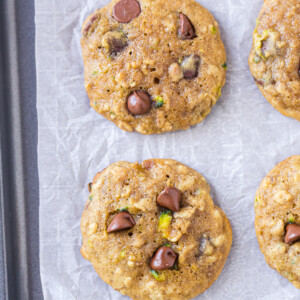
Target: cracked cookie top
(277,218)
(152,231)
(153,66)
(275,55)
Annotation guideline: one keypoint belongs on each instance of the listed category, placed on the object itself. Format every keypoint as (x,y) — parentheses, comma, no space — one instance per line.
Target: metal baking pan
(19,197)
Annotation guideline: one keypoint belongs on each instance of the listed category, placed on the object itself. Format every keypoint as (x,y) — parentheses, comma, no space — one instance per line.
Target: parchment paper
(234,148)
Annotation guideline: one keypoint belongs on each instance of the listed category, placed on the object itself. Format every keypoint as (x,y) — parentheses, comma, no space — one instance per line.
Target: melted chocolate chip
(126,10)
(90,22)
(139,103)
(186,30)
(114,41)
(259,82)
(169,198)
(121,221)
(292,233)
(190,66)
(163,259)
(90,186)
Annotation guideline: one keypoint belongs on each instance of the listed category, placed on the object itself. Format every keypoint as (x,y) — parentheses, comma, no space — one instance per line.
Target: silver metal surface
(19,256)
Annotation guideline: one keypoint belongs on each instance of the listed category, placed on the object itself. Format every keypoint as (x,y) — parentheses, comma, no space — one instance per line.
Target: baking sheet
(234,148)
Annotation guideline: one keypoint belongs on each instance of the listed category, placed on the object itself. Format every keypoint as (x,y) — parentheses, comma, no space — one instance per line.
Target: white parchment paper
(234,148)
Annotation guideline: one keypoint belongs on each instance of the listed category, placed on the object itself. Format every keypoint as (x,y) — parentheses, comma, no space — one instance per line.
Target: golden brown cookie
(275,55)
(277,220)
(153,66)
(152,231)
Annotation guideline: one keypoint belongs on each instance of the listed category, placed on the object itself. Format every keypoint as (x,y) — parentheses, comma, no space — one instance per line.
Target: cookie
(153,66)
(152,231)
(275,55)
(277,219)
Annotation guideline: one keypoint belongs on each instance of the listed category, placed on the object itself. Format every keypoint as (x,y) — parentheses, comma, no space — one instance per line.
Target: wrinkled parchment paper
(234,148)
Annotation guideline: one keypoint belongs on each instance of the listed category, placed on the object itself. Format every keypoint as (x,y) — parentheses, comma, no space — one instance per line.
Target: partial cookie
(153,66)
(275,55)
(152,231)
(277,221)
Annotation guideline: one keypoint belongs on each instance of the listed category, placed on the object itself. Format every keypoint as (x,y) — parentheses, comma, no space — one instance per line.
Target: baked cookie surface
(275,55)
(277,220)
(153,66)
(152,231)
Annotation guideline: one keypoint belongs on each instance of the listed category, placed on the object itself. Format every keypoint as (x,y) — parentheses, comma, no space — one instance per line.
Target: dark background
(19,187)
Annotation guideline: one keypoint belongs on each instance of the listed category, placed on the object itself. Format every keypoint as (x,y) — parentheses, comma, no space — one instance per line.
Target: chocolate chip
(259,82)
(163,259)
(139,103)
(126,10)
(190,66)
(114,41)
(87,205)
(90,186)
(90,22)
(292,233)
(169,198)
(186,30)
(121,221)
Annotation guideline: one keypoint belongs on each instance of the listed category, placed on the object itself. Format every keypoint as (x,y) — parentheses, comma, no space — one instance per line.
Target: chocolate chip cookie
(152,231)
(275,55)
(153,66)
(277,221)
